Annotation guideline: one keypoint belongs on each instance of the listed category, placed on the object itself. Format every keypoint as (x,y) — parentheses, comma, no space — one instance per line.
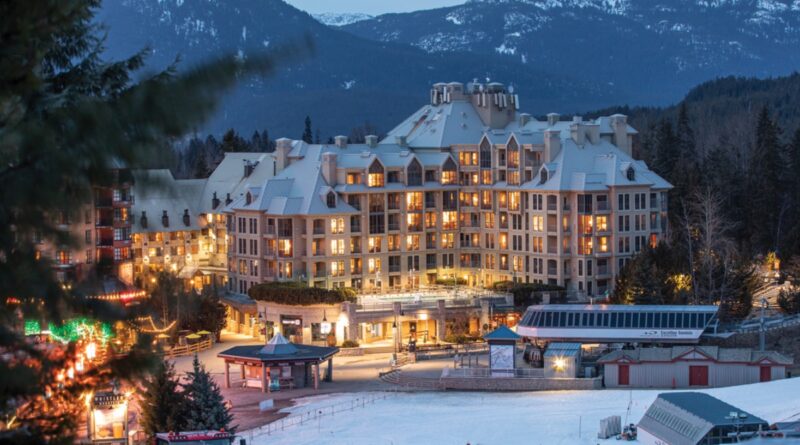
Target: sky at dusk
(373,7)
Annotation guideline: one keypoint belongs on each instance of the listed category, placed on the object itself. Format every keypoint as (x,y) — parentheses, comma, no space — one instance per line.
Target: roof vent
(165,219)
(401,141)
(524,118)
(214,201)
(552,119)
(371,140)
(143,220)
(228,199)
(186,219)
(340,141)
(249,167)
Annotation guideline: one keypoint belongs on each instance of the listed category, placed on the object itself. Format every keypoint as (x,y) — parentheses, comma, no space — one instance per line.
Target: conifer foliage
(162,402)
(204,406)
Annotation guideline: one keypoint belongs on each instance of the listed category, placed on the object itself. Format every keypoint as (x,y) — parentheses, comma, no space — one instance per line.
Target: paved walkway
(350,374)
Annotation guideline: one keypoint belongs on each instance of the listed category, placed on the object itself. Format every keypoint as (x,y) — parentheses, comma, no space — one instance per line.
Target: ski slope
(563,417)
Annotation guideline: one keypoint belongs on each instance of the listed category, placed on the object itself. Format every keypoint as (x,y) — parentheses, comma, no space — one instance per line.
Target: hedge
(292,293)
(450,282)
(526,294)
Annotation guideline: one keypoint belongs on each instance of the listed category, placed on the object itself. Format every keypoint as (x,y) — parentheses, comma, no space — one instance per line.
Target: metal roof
(563,350)
(299,353)
(621,308)
(714,353)
(684,418)
(502,333)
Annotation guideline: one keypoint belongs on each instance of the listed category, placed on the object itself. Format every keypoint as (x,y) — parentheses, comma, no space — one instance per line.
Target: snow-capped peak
(340,18)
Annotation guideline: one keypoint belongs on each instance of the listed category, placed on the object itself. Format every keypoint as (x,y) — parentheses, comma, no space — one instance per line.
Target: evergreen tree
(201,169)
(162,401)
(267,145)
(307,133)
(793,180)
(232,142)
(205,407)
(205,313)
(765,191)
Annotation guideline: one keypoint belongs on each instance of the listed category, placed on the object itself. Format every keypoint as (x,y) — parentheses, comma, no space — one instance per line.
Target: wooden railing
(188,349)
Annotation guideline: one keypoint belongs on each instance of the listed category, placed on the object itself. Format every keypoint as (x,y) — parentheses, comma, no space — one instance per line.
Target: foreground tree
(66,116)
(205,312)
(162,401)
(205,407)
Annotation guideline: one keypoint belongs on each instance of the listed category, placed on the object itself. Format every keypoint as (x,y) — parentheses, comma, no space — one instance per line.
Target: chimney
(282,148)
(592,132)
(228,199)
(401,140)
(186,219)
(524,118)
(578,132)
(329,168)
(165,219)
(552,144)
(249,167)
(214,201)
(143,220)
(619,125)
(371,140)
(341,141)
(552,119)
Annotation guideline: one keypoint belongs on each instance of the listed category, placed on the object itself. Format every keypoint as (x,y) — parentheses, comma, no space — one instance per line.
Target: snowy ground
(565,417)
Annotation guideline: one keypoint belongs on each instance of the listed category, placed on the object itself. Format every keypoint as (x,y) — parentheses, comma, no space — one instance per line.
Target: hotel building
(466,187)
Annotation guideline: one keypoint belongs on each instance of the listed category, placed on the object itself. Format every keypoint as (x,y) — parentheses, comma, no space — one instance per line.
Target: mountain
(341,18)
(651,50)
(349,81)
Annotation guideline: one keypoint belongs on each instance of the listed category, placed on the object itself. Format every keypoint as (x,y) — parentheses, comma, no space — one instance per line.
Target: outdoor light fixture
(559,364)
(325,326)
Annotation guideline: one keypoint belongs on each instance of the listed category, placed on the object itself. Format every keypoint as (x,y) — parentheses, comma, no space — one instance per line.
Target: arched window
(631,174)
(414,173)
(375,175)
(486,154)
(512,153)
(331,200)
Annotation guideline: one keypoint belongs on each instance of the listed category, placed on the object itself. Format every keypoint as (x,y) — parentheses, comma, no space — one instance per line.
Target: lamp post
(762,329)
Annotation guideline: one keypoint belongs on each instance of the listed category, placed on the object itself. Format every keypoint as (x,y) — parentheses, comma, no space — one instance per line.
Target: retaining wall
(517,384)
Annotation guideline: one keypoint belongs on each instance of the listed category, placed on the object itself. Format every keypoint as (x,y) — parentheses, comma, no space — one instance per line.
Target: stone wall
(517,384)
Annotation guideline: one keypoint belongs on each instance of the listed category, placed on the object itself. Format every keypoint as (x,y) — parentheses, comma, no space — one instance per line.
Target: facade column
(264,386)
(441,320)
(329,371)
(484,314)
(316,376)
(242,369)
(353,331)
(227,375)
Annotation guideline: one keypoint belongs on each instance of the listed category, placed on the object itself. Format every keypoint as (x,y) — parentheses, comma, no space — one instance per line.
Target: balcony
(603,270)
(104,242)
(552,207)
(603,206)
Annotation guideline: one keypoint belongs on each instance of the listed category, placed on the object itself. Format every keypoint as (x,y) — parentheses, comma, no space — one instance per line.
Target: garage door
(698,375)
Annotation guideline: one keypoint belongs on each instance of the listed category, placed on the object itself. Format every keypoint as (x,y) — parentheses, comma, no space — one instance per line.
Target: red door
(624,375)
(766,373)
(698,375)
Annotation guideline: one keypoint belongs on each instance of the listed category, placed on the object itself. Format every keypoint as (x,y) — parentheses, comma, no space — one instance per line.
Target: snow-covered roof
(158,193)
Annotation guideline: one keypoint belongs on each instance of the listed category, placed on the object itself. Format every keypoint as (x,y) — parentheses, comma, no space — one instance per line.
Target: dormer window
(330,200)
(631,174)
(414,173)
(543,176)
(248,198)
(486,154)
(449,172)
(375,175)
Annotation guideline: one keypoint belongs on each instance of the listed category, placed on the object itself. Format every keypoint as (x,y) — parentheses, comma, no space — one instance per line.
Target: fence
(306,417)
(525,373)
(188,349)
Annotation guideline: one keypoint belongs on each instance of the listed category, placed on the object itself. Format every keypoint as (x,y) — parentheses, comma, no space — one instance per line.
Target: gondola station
(279,364)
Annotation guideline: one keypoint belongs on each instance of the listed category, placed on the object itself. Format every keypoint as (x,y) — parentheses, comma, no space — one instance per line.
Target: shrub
(350,344)
(526,294)
(449,281)
(460,339)
(293,293)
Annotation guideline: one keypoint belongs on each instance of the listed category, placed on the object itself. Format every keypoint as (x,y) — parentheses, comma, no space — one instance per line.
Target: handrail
(188,349)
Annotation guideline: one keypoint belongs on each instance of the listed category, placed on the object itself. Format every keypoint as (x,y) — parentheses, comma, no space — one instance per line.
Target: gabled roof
(684,418)
(712,353)
(502,333)
(594,167)
(156,191)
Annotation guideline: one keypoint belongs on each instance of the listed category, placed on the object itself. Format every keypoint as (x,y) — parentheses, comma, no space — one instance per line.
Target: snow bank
(565,417)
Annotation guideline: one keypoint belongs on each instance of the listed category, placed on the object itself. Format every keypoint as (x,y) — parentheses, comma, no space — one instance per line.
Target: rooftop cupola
(340,141)
(371,140)
(496,105)
(552,119)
